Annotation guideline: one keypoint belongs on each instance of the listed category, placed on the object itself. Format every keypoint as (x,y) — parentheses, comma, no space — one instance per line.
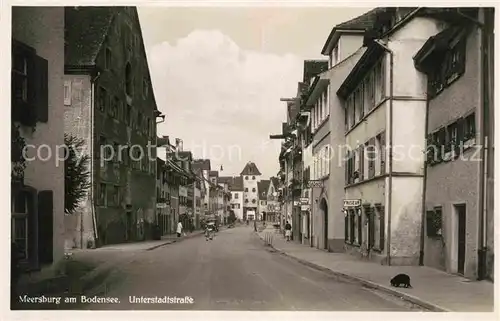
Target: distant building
(263,188)
(235,189)
(251,176)
(109,102)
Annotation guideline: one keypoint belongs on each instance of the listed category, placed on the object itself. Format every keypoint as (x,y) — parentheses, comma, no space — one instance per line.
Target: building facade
(37,212)
(457,64)
(116,120)
(251,176)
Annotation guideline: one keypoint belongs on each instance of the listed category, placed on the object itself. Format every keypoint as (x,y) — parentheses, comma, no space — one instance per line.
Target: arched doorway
(324,208)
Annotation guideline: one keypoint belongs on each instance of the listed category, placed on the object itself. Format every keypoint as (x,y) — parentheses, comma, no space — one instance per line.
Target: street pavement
(235,271)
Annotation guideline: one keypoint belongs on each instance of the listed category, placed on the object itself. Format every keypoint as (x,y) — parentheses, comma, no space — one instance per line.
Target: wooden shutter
(371,160)
(32,227)
(382,153)
(346,164)
(361,162)
(360,226)
(41,91)
(382,227)
(346,227)
(460,135)
(45,226)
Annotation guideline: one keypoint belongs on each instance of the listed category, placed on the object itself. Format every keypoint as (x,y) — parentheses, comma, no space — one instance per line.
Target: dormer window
(334,56)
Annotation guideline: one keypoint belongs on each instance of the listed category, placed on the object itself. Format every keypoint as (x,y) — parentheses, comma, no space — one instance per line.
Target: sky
(218,75)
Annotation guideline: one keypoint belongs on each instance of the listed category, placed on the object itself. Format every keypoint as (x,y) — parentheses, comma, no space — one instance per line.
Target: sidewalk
(432,289)
(86,268)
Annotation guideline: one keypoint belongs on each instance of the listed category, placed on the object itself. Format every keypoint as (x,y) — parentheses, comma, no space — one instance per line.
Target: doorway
(460,210)
(324,209)
(129,226)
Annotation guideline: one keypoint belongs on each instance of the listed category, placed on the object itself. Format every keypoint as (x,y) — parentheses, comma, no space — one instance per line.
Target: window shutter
(382,227)
(371,162)
(460,134)
(382,153)
(41,94)
(32,226)
(360,226)
(361,162)
(346,165)
(45,226)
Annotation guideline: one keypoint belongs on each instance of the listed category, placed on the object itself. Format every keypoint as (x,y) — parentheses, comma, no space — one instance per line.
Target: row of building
(83,72)
(402,111)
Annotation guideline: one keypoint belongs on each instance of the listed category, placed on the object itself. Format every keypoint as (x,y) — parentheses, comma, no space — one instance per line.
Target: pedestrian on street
(288,231)
(179,229)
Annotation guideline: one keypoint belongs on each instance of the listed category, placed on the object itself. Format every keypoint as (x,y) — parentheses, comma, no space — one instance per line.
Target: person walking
(179,229)
(288,231)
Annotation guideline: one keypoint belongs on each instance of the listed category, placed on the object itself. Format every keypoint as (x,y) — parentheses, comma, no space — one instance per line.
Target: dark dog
(401,279)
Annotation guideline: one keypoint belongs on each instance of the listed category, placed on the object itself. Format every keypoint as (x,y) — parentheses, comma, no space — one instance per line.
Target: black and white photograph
(272,157)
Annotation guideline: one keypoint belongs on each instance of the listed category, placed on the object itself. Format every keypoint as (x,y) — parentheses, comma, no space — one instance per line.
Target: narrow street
(235,271)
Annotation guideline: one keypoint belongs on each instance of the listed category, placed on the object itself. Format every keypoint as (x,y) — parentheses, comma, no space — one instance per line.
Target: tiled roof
(85,31)
(263,187)
(360,23)
(313,68)
(204,164)
(275,181)
(250,169)
(237,184)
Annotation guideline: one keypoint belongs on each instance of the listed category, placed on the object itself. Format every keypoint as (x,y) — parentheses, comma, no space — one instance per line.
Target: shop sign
(352,203)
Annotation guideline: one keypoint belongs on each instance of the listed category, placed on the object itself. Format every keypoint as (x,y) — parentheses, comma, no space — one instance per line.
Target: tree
(232,217)
(76,173)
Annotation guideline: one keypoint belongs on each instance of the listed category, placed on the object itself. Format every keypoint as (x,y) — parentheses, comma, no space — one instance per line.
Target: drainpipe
(391,135)
(92,162)
(422,218)
(483,141)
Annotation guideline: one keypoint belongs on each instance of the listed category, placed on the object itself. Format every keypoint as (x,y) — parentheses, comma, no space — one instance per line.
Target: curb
(177,240)
(407,297)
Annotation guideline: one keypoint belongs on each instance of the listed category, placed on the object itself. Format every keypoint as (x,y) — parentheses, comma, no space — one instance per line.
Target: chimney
(178,145)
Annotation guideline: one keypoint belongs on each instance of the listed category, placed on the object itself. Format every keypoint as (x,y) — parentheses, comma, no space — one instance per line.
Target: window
(346,226)
(236,196)
(29,85)
(470,127)
(358,103)
(107,59)
(440,142)
(102,194)
(246,189)
(434,222)
(254,201)
(246,200)
(382,149)
(253,189)
(369,91)
(116,195)
(379,81)
(103,97)
(128,80)
(139,120)
(352,224)
(451,137)
(371,156)
(253,177)
(446,68)
(67,92)
(246,177)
